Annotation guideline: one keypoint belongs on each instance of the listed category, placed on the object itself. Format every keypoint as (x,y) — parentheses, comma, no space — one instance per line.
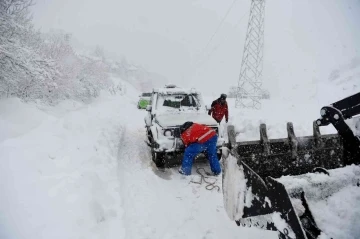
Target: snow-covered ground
(332,199)
(59,177)
(84,171)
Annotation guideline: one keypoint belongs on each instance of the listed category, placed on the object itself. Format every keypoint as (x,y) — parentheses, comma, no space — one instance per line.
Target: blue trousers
(209,147)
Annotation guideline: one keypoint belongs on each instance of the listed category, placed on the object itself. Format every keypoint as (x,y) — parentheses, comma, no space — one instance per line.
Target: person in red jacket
(199,138)
(219,109)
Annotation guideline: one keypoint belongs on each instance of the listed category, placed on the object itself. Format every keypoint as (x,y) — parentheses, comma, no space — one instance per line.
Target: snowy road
(84,171)
(165,204)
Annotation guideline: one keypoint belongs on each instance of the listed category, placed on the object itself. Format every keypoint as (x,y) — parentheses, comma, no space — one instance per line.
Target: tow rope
(205,175)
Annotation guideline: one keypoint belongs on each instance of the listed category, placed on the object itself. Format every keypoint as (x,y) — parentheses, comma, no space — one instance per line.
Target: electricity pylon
(250,80)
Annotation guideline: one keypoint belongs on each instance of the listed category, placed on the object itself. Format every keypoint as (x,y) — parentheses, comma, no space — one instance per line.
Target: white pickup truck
(169,108)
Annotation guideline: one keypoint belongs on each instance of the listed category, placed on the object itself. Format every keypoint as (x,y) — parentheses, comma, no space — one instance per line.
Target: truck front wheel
(158,158)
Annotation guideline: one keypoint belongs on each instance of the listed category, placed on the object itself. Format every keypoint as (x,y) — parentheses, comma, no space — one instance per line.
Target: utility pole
(249,89)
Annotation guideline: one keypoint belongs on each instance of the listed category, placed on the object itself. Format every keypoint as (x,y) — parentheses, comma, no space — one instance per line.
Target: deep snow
(84,171)
(332,199)
(59,178)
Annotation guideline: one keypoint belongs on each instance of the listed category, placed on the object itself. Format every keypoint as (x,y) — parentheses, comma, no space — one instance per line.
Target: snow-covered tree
(23,72)
(35,65)
(99,52)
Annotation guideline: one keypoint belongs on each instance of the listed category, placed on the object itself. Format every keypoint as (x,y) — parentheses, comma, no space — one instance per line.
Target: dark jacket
(219,110)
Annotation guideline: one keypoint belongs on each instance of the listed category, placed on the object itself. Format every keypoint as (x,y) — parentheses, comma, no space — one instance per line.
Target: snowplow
(254,192)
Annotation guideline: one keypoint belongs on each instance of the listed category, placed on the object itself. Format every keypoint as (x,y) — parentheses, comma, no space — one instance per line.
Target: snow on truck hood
(175,119)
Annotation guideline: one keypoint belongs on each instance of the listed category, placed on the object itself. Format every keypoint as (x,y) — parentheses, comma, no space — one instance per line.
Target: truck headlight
(168,133)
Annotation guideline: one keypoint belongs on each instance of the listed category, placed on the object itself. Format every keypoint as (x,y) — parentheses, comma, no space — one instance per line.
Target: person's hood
(219,101)
(185,126)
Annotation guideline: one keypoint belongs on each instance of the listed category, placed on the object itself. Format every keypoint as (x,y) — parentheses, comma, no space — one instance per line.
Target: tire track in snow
(164,204)
(134,186)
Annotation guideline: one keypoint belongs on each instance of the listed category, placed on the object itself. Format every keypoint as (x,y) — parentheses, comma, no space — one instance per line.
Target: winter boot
(182,172)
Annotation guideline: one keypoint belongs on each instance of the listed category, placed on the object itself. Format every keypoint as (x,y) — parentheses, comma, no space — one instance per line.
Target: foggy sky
(304,40)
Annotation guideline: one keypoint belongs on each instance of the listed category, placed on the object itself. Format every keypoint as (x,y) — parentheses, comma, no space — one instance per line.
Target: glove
(209,113)
(226,120)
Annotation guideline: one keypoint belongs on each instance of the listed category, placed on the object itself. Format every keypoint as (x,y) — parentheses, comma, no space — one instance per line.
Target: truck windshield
(178,100)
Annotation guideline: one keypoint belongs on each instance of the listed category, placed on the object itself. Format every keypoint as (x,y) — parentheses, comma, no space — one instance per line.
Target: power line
(218,45)
(200,63)
(219,26)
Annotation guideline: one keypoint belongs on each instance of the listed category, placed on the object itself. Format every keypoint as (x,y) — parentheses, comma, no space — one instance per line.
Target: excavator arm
(252,194)
(336,114)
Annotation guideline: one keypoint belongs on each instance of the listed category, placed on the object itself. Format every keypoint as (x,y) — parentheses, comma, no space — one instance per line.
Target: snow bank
(59,170)
(319,186)
(332,199)
(17,118)
(342,220)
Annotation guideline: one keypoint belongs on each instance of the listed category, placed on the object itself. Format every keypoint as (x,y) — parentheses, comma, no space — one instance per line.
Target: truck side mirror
(148,108)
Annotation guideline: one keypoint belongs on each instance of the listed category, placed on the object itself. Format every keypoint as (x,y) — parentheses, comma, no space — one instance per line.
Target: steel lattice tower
(250,80)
